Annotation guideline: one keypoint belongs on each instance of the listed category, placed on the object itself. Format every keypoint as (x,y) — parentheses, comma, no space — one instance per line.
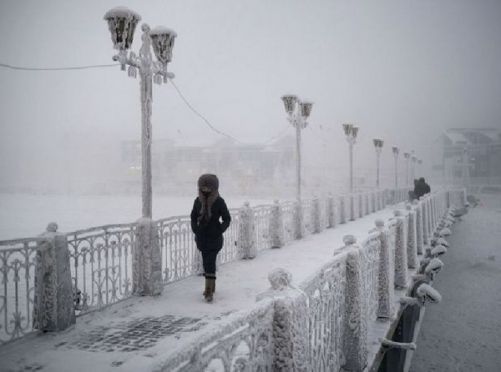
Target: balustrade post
(246,242)
(400,252)
(366,200)
(146,260)
(373,201)
(298,220)
(412,259)
(360,206)
(342,210)
(315,214)
(276,226)
(355,324)
(426,225)
(331,212)
(53,306)
(290,323)
(352,207)
(385,277)
(419,227)
(430,218)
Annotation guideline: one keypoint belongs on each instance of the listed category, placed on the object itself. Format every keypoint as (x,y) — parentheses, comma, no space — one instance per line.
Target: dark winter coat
(209,234)
(421,188)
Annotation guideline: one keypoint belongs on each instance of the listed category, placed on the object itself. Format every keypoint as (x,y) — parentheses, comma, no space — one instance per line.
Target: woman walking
(208,211)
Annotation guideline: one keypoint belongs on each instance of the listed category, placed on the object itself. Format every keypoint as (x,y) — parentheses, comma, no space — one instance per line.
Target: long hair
(208,186)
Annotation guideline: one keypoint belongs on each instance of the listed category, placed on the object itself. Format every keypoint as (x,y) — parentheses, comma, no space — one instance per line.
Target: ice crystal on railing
(355,330)
(276,226)
(385,277)
(247,247)
(412,259)
(400,252)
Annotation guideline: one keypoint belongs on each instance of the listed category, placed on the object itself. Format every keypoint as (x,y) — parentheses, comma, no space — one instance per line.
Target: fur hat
(209,181)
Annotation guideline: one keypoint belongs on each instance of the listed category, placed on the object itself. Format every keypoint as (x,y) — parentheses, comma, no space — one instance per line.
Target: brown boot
(207,287)
(210,290)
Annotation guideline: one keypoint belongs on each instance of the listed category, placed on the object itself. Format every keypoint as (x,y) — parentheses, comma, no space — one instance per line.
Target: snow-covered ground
(238,284)
(463,332)
(25,215)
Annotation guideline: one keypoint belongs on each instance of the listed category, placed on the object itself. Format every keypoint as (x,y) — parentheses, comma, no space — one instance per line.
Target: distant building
(469,155)
(242,167)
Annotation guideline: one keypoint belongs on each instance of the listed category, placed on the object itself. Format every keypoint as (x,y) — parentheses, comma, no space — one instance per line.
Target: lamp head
(122,23)
(162,40)
(305,108)
(290,101)
(347,128)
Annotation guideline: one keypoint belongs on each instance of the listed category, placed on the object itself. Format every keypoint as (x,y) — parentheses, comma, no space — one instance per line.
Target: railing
(262,214)
(288,215)
(180,257)
(101,259)
(101,265)
(324,310)
(244,343)
(17,270)
(326,315)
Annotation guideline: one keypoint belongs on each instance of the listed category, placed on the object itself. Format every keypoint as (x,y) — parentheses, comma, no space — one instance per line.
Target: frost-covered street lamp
(396,151)
(465,172)
(122,23)
(297,113)
(378,145)
(407,157)
(413,166)
(351,132)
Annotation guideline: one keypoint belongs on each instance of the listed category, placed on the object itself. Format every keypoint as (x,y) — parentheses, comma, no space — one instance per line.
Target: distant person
(421,188)
(208,211)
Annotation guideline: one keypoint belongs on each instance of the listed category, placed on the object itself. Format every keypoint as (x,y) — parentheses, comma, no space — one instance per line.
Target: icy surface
(463,332)
(238,285)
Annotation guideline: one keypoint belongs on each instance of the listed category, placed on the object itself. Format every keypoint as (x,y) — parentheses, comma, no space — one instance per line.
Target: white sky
(402,70)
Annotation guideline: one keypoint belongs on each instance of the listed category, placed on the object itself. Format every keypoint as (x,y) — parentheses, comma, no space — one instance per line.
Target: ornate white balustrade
(324,323)
(101,265)
(101,258)
(17,270)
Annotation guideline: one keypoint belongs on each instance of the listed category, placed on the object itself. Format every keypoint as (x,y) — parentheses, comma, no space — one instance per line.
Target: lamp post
(413,166)
(122,23)
(378,145)
(396,150)
(466,167)
(297,113)
(351,132)
(407,157)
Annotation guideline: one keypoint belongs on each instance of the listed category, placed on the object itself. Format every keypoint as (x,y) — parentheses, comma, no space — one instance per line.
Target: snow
(160,30)
(27,215)
(463,332)
(238,285)
(121,11)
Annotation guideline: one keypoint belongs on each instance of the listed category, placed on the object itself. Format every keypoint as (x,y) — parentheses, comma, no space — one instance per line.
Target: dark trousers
(209,262)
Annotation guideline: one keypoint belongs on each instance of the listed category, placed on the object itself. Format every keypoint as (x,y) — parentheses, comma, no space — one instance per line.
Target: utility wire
(181,95)
(195,111)
(85,67)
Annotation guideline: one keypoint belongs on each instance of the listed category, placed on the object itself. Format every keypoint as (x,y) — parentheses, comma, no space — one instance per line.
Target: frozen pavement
(463,332)
(137,333)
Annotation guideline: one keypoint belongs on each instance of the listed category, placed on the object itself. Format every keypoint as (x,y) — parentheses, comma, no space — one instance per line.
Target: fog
(402,71)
